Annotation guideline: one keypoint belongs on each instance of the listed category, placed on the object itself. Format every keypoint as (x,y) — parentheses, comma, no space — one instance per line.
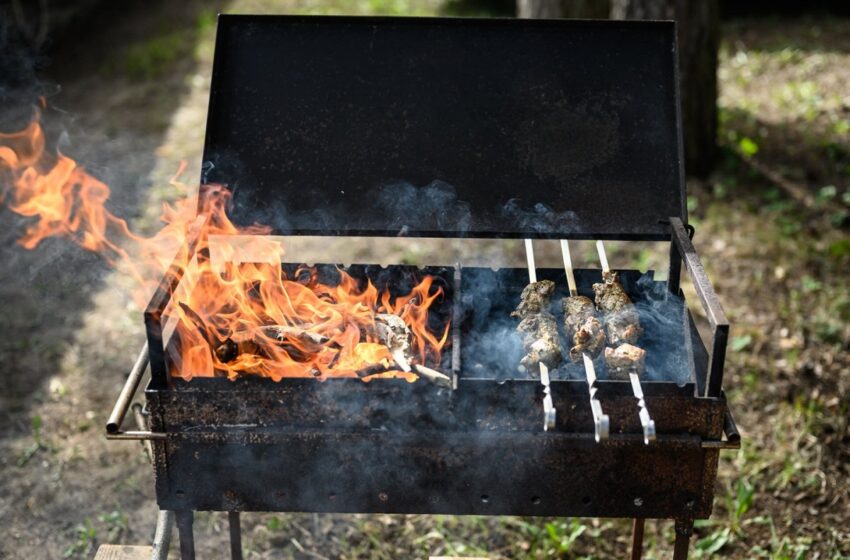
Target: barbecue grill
(445,128)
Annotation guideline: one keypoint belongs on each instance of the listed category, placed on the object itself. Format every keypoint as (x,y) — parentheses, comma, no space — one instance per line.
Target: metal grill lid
(447,127)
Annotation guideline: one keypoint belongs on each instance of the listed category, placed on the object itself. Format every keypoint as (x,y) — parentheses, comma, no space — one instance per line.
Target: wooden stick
(603,258)
(568,267)
(432,375)
(529,256)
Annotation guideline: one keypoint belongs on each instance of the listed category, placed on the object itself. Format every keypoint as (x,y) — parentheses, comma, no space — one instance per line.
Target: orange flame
(232,318)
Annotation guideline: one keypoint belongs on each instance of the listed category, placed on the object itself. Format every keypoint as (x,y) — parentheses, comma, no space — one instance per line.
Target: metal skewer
(646,420)
(601,421)
(549,412)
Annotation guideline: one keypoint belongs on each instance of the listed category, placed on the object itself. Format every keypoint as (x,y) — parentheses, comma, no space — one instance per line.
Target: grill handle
(710,303)
(113,425)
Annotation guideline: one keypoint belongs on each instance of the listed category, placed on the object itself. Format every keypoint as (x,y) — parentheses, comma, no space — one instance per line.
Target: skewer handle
(568,266)
(646,420)
(603,258)
(529,256)
(549,413)
(601,422)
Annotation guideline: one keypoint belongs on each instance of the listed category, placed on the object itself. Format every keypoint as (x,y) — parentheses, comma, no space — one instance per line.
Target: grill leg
(637,538)
(684,528)
(185,518)
(235,535)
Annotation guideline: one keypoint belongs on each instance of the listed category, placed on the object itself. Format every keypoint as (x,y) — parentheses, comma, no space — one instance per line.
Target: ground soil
(132,101)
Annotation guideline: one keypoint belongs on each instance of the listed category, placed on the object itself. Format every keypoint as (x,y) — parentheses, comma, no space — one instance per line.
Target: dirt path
(133,100)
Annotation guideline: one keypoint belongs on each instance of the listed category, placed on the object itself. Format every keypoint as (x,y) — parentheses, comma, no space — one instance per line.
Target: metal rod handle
(127,392)
(601,422)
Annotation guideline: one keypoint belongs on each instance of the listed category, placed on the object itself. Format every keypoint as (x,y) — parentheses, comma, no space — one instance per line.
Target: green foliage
(85,537)
(563,535)
(116,523)
(748,146)
(149,59)
(741,342)
(37,445)
(711,544)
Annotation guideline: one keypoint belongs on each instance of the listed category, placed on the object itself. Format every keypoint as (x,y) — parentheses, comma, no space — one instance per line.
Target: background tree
(698,36)
(563,8)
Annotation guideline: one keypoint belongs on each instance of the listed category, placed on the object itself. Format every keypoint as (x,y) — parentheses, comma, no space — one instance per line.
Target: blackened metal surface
(401,448)
(398,406)
(447,127)
(436,472)
(710,303)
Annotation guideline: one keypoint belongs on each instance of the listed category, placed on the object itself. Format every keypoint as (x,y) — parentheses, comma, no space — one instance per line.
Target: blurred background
(766,106)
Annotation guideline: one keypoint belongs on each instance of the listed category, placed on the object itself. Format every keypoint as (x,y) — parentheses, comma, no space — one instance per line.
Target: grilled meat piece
(624,359)
(538,328)
(540,340)
(535,298)
(583,327)
(577,310)
(621,318)
(589,339)
(623,326)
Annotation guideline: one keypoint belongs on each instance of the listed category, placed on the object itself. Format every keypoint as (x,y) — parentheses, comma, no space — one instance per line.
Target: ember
(233,318)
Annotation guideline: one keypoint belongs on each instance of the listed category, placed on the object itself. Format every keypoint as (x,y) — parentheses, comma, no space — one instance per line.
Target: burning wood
(538,327)
(395,334)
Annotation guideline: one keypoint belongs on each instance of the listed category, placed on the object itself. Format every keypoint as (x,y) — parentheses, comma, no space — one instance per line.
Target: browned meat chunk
(577,310)
(583,327)
(588,339)
(624,359)
(621,317)
(535,298)
(540,340)
(538,327)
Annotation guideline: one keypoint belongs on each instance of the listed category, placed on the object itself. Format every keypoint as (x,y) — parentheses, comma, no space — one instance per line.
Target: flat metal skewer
(601,421)
(549,413)
(646,421)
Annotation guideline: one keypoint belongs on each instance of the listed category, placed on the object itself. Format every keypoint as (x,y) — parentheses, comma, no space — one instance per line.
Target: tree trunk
(698,36)
(578,9)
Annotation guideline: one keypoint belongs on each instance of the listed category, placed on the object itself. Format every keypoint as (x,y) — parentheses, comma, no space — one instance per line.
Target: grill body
(517,129)
(481,451)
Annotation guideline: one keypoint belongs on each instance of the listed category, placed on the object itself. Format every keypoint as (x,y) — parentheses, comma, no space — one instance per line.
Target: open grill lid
(447,127)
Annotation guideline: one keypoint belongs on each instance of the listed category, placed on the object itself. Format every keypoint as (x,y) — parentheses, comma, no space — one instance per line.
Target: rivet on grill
(383,496)
(535,500)
(638,502)
(332,497)
(180,494)
(485,498)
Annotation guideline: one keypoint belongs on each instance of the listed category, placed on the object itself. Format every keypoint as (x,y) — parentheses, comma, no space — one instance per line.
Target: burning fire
(229,318)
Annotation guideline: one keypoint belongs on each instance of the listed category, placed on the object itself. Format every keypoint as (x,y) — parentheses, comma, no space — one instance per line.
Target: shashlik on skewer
(626,361)
(538,327)
(579,315)
(540,333)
